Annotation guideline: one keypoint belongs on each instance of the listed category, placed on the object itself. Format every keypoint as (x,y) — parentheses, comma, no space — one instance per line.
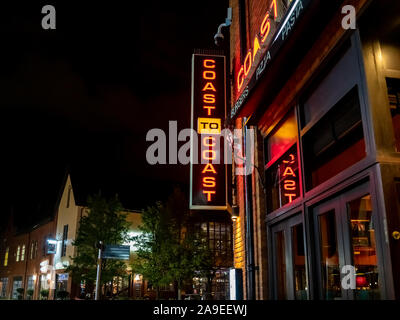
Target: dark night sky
(86,94)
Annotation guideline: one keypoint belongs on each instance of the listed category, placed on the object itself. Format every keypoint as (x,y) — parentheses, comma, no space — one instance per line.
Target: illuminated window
(282,168)
(33,249)
(281,138)
(31,285)
(23,253)
(18,253)
(6,257)
(219,237)
(3,287)
(282,180)
(64,241)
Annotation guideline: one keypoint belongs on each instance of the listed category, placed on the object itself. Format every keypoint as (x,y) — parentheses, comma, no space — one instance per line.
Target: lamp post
(100,246)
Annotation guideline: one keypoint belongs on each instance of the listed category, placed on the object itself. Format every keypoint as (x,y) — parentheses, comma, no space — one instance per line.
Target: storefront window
(394,101)
(3,287)
(299,263)
(30,289)
(62,282)
(282,173)
(17,283)
(335,142)
(31,283)
(44,284)
(331,285)
(219,237)
(282,138)
(364,248)
(282,178)
(281,265)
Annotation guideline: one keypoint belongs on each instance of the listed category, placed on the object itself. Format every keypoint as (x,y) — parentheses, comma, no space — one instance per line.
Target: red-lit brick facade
(346,184)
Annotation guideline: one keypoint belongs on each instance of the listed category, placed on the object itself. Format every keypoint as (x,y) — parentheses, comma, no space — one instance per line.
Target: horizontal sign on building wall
(208,169)
(51,246)
(266,47)
(62,277)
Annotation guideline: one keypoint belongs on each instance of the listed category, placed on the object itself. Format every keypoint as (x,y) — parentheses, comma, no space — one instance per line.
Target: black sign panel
(208,171)
(119,252)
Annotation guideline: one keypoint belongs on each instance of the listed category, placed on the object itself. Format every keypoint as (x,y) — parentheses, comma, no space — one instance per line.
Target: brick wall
(255,12)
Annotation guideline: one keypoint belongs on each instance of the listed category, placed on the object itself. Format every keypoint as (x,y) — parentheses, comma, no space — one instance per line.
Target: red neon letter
(290,196)
(209,63)
(289,172)
(256,47)
(265,28)
(209,108)
(209,86)
(209,98)
(240,78)
(208,144)
(209,182)
(273,4)
(247,64)
(209,168)
(289,185)
(209,193)
(209,75)
(206,155)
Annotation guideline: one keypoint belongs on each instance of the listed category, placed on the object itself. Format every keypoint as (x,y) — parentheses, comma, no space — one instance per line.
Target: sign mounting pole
(97,294)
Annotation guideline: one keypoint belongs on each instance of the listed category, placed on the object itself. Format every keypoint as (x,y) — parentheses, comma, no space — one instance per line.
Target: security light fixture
(219,37)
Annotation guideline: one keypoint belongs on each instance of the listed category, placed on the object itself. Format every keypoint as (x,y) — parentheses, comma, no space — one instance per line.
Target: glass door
(359,225)
(345,237)
(289,274)
(329,251)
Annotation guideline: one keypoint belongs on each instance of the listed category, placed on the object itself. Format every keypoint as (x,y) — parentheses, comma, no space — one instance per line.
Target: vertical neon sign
(289,179)
(208,176)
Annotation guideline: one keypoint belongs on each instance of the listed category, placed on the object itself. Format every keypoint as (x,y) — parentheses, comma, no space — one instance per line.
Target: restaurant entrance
(289,266)
(345,229)
(333,252)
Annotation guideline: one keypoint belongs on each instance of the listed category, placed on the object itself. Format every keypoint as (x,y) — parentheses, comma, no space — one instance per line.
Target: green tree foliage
(105,222)
(168,249)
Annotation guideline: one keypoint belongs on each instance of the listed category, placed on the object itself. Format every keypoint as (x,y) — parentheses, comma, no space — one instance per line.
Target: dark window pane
(335,143)
(281,265)
(331,285)
(394,101)
(299,263)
